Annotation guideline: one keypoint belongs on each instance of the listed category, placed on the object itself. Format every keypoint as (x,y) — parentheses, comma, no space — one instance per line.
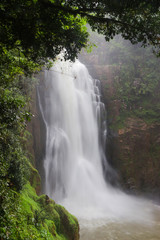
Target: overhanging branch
(90,14)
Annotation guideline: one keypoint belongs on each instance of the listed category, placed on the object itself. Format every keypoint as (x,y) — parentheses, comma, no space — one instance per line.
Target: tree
(135,20)
(44,27)
(40,30)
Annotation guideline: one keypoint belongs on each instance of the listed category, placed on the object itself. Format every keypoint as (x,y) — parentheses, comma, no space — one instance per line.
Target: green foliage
(14,96)
(15,89)
(137,21)
(136,82)
(33,217)
(42,28)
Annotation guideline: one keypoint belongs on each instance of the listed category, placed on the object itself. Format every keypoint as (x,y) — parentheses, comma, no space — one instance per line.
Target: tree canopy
(42,28)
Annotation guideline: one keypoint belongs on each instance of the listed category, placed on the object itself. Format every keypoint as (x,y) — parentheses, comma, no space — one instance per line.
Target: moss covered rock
(68,223)
(35,179)
(38,217)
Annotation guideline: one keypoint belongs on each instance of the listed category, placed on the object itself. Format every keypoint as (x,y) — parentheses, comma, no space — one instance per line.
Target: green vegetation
(34,217)
(137,82)
(14,106)
(23,215)
(42,28)
(31,33)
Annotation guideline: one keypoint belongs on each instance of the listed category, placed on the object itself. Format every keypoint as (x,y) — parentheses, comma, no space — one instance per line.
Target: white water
(72,112)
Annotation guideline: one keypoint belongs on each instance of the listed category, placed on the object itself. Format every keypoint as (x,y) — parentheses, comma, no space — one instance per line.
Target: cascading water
(75,134)
(72,113)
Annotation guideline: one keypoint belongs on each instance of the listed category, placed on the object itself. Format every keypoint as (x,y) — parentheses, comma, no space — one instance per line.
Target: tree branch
(84,13)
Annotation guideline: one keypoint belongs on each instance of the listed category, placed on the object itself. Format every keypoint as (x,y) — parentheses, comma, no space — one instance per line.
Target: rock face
(133,146)
(36,127)
(138,155)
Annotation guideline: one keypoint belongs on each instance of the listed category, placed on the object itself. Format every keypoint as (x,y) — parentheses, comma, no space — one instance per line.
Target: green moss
(50,227)
(68,222)
(48,211)
(120,121)
(38,217)
(35,179)
(149,115)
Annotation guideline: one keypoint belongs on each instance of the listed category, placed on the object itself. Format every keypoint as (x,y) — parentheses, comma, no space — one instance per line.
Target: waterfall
(75,138)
